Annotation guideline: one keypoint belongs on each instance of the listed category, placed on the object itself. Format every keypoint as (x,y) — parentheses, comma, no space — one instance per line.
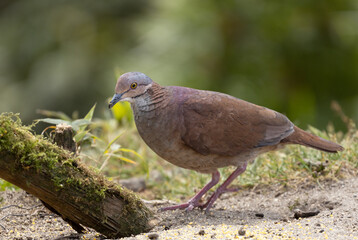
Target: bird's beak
(116,98)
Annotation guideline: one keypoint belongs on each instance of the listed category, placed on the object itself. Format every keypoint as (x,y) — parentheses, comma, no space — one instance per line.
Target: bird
(205,130)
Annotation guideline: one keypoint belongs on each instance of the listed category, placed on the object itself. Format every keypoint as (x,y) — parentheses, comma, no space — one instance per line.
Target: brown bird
(205,130)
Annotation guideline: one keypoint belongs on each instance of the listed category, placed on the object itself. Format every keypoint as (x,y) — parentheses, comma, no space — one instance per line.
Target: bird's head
(129,86)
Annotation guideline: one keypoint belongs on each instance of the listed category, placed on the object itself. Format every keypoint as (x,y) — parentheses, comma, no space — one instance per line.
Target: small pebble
(242,232)
(201,232)
(278,194)
(153,236)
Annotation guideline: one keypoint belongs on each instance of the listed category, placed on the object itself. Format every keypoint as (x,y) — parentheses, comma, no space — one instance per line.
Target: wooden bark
(56,177)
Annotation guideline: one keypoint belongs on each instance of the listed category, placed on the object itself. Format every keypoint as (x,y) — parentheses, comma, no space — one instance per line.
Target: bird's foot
(209,204)
(223,188)
(190,205)
(194,202)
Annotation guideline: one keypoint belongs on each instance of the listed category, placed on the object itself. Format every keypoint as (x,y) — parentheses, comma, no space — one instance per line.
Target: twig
(157,202)
(13,205)
(301,214)
(14,215)
(104,163)
(3,227)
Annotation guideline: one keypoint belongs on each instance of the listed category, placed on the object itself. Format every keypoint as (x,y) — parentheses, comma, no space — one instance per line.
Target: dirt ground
(266,213)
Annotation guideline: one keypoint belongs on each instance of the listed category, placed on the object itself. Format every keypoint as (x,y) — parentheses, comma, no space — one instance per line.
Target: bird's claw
(190,207)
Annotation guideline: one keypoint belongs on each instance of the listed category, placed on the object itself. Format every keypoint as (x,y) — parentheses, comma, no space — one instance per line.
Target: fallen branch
(60,180)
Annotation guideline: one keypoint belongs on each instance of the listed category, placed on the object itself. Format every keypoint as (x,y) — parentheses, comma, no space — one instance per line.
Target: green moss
(34,153)
(66,172)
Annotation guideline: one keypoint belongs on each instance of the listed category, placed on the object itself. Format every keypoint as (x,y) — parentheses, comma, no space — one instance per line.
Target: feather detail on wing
(217,123)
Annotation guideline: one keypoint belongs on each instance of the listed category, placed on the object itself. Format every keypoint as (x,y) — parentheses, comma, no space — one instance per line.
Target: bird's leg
(194,202)
(223,187)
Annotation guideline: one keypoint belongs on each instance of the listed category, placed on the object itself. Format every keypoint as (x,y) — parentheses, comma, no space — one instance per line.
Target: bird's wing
(215,123)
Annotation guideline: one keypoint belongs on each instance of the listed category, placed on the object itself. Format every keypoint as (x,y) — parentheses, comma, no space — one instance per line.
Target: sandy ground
(266,213)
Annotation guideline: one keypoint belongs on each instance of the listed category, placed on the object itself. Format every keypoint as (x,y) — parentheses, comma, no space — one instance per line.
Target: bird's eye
(133,85)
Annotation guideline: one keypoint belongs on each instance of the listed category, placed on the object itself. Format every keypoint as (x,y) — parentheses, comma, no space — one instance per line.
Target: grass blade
(129,151)
(111,142)
(123,158)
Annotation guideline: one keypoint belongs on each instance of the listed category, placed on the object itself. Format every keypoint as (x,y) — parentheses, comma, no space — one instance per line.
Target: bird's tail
(304,138)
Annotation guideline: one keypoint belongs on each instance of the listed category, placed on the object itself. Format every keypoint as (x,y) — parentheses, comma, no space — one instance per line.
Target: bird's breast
(158,127)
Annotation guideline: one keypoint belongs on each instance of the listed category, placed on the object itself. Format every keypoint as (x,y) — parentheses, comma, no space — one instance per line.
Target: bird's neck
(155,97)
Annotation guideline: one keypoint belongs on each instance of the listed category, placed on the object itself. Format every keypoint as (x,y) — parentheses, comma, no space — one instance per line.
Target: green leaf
(80,124)
(90,113)
(53,121)
(54,114)
(80,135)
(88,118)
(96,138)
(122,110)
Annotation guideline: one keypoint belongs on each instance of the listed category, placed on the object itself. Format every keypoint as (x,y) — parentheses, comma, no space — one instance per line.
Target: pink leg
(223,187)
(194,202)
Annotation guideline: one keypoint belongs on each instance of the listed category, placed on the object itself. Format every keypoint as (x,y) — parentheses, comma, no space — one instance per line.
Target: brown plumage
(204,130)
(304,138)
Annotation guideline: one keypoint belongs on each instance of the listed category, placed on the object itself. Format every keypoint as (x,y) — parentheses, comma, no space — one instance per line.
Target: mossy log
(59,179)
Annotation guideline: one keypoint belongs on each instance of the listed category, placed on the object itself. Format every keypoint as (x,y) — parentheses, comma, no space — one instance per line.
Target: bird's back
(217,123)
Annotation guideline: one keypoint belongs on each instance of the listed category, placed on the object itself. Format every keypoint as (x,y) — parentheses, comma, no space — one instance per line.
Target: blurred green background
(291,56)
